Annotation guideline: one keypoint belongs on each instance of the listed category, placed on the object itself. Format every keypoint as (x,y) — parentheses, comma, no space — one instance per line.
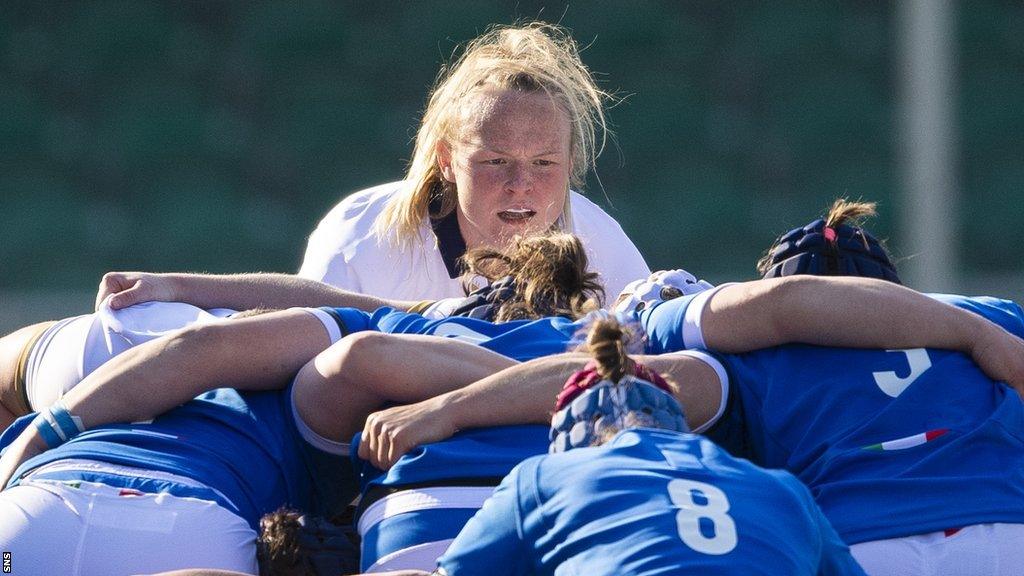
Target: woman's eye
(495,161)
(544,162)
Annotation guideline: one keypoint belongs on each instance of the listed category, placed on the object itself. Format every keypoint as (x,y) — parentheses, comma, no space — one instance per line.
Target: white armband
(723,379)
(330,322)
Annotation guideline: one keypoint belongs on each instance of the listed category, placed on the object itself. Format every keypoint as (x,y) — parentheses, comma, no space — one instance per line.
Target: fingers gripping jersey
(648,502)
(891,442)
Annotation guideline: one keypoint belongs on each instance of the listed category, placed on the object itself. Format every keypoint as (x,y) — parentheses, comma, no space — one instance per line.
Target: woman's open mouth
(516,215)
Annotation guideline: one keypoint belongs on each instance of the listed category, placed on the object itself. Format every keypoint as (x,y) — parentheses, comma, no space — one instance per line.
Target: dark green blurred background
(212,136)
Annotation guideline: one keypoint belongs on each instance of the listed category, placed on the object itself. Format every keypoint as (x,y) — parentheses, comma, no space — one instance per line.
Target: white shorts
(979,550)
(83,529)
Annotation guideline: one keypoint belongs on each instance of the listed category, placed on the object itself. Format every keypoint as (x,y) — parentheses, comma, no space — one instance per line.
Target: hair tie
(830,234)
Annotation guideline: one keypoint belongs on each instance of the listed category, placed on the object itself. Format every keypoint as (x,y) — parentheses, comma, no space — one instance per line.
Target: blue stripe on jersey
(663,324)
(242,445)
(484,454)
(404,531)
(814,410)
(518,339)
(650,502)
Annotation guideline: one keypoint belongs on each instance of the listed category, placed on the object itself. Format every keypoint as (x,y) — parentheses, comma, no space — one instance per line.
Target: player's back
(892,443)
(241,448)
(409,514)
(653,502)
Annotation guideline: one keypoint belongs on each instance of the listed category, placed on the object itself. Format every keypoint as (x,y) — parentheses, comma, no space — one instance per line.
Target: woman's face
(510,165)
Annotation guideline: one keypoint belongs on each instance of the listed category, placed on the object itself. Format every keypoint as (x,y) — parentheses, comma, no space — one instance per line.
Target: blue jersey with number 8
(648,502)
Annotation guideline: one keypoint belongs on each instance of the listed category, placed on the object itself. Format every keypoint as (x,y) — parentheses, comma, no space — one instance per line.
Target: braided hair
(612,393)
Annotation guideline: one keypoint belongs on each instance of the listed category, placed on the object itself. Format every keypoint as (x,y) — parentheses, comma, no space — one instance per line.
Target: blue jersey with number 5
(649,502)
(891,442)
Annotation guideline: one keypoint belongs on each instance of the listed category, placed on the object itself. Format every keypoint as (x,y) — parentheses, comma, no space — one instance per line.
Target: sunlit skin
(510,164)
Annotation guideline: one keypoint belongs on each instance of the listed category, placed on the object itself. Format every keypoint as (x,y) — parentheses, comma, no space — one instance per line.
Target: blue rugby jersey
(470,459)
(519,339)
(243,446)
(475,460)
(891,443)
(650,502)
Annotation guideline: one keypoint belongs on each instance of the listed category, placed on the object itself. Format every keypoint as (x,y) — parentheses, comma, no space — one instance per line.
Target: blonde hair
(849,212)
(550,274)
(608,342)
(527,58)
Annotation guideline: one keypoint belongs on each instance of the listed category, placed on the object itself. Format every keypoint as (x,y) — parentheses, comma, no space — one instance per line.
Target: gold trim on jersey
(421,306)
(22,406)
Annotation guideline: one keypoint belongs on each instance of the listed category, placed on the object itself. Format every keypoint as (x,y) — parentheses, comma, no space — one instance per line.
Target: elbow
(356,358)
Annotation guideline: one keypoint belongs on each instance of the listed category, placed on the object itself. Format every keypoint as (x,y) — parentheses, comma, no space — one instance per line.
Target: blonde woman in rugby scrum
(511,125)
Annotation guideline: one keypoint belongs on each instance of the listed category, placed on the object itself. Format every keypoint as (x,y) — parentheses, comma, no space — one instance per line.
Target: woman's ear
(444,160)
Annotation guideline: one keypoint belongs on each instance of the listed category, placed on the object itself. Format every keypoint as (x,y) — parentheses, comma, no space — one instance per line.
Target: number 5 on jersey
(696,501)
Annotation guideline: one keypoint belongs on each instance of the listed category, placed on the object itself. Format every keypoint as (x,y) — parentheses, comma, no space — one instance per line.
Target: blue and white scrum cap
(589,407)
(658,287)
(821,250)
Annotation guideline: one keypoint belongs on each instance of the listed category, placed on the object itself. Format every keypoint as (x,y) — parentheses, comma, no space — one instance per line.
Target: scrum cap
(589,406)
(821,250)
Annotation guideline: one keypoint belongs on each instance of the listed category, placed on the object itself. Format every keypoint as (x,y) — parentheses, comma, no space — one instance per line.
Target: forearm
(854,312)
(522,394)
(269,290)
(417,367)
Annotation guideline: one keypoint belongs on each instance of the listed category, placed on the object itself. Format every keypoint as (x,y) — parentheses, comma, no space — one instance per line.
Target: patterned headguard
(821,250)
(589,407)
(658,287)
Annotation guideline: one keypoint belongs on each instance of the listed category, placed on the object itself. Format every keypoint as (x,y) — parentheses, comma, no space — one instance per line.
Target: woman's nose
(519,178)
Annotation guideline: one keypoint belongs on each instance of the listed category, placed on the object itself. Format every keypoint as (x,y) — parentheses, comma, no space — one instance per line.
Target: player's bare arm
(872,314)
(257,353)
(365,371)
(235,291)
(522,394)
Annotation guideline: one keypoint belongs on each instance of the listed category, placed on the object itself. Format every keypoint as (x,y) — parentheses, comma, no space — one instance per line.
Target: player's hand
(389,434)
(1000,355)
(128,288)
(25,446)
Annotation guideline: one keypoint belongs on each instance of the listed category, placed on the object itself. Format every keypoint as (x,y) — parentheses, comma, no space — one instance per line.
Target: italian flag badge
(909,441)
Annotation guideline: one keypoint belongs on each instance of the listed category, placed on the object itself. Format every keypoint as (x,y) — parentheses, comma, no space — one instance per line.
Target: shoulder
(367,203)
(345,251)
(612,253)
(1005,313)
(586,213)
